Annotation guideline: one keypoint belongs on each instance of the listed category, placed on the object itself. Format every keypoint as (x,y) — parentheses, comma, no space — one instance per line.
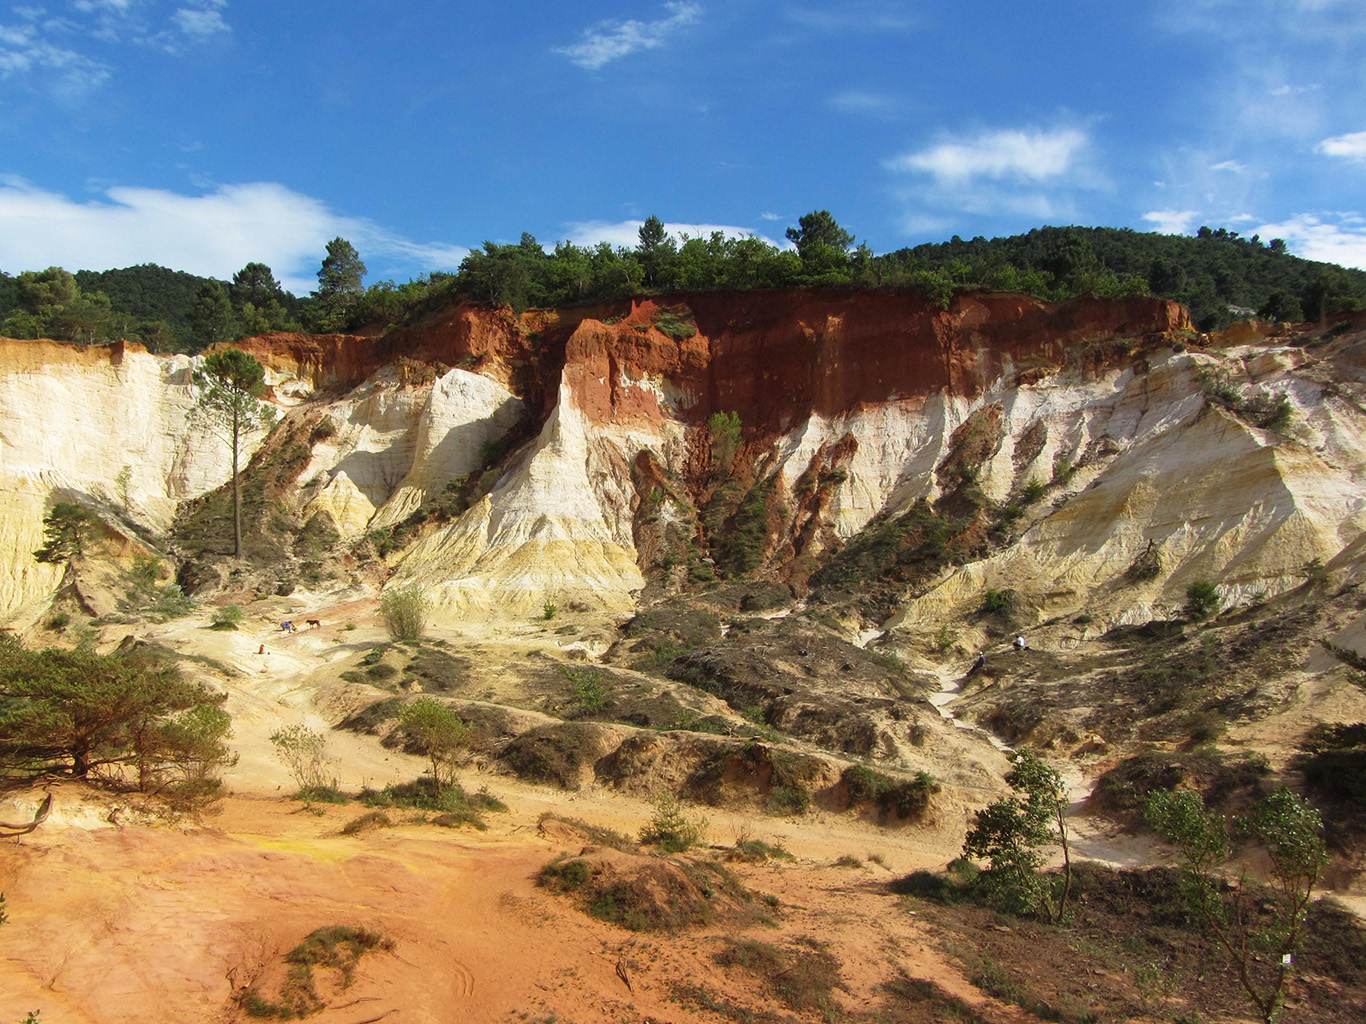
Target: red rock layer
(773,357)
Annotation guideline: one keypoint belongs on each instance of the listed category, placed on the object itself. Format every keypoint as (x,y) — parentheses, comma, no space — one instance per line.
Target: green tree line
(1218,274)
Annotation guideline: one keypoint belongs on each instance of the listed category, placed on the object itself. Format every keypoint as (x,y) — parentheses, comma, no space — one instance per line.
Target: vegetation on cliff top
(1218,274)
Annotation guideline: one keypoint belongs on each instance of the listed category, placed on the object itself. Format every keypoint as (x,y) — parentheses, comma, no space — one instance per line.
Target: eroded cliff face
(578,438)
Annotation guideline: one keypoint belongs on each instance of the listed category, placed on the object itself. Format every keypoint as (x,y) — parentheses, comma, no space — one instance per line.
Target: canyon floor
(118,912)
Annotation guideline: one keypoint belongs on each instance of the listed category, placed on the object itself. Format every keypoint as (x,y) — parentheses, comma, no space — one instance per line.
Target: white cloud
(625,233)
(867,15)
(1331,237)
(609,40)
(1232,166)
(1028,172)
(1023,154)
(24,51)
(213,235)
(199,22)
(770,216)
(1172,222)
(855,101)
(1351,146)
(51,51)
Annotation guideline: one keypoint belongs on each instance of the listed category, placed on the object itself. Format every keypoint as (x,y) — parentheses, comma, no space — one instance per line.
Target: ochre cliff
(542,421)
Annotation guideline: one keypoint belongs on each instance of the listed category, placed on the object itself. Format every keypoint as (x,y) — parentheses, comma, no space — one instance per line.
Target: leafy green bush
(589,690)
(1202,600)
(227,617)
(788,801)
(405,612)
(994,602)
(670,829)
(304,752)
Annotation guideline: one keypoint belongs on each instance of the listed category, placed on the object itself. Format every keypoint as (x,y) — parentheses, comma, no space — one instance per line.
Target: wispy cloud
(1231,166)
(861,15)
(56,51)
(611,40)
(1333,237)
(1026,172)
(625,233)
(1351,146)
(1172,222)
(214,234)
(857,101)
(1032,155)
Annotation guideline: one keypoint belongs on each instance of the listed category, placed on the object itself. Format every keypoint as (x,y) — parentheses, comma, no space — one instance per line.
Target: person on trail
(1020,644)
(262,650)
(978,665)
(287,626)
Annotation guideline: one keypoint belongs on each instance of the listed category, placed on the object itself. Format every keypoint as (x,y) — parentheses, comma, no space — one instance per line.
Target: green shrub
(589,690)
(405,612)
(548,610)
(566,875)
(381,671)
(227,617)
(788,801)
(670,829)
(1202,600)
(367,821)
(57,621)
(994,602)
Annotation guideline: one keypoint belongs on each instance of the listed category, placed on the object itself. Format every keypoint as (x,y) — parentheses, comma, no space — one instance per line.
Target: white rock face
(556,528)
(71,420)
(1148,460)
(396,446)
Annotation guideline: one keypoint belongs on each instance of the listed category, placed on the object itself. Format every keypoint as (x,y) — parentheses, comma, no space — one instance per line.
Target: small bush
(566,875)
(366,822)
(589,690)
(994,602)
(756,851)
(670,829)
(788,801)
(925,885)
(548,610)
(337,948)
(1202,600)
(57,621)
(906,799)
(226,618)
(381,672)
(405,613)
(848,861)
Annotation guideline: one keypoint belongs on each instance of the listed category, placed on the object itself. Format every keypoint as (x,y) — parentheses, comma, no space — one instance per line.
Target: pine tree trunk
(236,495)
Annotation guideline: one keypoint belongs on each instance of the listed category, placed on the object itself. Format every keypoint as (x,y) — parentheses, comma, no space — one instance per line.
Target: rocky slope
(579,442)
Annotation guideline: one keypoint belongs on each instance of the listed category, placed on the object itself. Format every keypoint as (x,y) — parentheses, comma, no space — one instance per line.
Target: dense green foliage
(66,529)
(1217,273)
(84,712)
(1009,834)
(1260,943)
(165,310)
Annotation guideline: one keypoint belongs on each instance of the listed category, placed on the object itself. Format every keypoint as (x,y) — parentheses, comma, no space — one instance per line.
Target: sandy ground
(116,918)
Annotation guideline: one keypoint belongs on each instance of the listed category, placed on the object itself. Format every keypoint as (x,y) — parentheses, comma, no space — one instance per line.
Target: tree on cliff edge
(231,384)
(340,282)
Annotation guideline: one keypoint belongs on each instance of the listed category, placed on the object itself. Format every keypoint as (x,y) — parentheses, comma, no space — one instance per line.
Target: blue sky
(203,134)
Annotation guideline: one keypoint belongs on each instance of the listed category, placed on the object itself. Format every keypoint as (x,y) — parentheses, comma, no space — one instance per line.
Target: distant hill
(1208,273)
(148,292)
